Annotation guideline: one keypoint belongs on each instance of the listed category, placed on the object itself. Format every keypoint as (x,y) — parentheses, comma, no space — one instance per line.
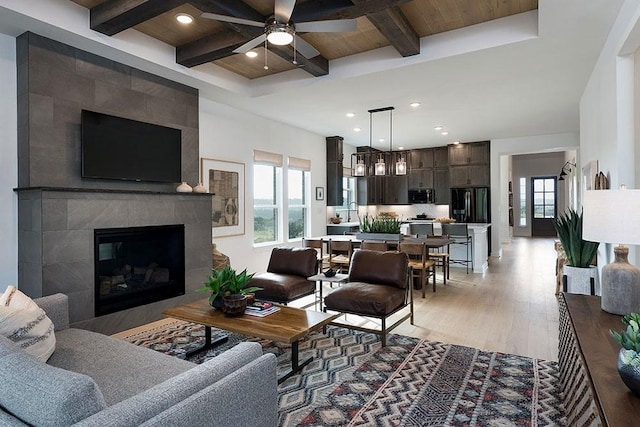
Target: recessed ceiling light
(438,128)
(456,142)
(444,133)
(357,129)
(184,18)
(381,140)
(400,148)
(252,54)
(415,104)
(350,115)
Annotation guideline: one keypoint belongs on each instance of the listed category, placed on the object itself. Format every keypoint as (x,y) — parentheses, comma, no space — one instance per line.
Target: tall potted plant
(582,277)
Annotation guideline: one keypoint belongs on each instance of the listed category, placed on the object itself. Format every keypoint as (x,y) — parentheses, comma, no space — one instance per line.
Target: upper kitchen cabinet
(472,153)
(441,157)
(420,179)
(334,171)
(395,190)
(421,159)
(469,176)
(441,186)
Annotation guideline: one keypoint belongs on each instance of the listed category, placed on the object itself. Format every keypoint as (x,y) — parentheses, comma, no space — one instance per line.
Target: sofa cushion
(43,395)
(365,298)
(281,287)
(109,361)
(26,324)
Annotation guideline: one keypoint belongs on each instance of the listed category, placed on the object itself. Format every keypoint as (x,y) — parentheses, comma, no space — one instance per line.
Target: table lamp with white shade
(612,216)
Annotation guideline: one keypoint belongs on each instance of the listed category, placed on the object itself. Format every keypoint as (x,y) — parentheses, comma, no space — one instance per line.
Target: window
(297,202)
(523,202)
(544,198)
(348,196)
(267,184)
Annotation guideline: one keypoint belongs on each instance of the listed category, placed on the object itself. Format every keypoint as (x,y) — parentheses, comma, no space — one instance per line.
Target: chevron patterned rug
(353,381)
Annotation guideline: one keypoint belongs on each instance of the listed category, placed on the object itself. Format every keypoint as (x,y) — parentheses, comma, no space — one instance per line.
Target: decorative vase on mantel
(184,188)
(199,188)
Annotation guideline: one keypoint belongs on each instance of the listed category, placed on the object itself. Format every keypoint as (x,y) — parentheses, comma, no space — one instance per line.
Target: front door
(544,206)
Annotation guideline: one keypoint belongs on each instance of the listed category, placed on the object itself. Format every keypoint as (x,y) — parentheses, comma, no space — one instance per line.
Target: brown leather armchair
(286,276)
(378,287)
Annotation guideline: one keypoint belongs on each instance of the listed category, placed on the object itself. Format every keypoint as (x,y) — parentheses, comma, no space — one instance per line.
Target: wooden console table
(593,392)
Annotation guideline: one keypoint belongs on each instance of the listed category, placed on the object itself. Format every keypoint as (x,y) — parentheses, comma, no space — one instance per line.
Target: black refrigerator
(470,205)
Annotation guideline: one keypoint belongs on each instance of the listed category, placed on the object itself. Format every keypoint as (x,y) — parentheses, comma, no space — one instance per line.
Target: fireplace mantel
(106,190)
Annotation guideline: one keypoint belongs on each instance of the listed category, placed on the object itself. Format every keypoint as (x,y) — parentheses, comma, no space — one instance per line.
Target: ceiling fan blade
(225,18)
(251,44)
(283,10)
(305,48)
(330,26)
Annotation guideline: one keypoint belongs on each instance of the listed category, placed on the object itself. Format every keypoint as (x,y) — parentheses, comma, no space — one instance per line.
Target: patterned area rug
(353,381)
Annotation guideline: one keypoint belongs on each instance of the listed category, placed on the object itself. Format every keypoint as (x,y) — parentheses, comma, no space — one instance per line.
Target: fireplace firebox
(137,265)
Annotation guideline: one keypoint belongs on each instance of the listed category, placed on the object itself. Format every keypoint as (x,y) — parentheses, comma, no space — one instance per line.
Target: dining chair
(340,252)
(441,257)
(375,245)
(459,233)
(420,265)
(318,245)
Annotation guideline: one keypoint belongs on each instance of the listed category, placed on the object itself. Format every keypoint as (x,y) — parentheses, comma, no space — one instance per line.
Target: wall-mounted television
(118,148)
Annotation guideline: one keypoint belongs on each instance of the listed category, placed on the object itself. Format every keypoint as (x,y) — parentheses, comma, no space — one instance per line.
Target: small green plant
(226,282)
(630,338)
(370,224)
(569,228)
(337,214)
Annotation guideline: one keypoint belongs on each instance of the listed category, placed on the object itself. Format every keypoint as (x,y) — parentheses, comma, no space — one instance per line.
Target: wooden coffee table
(287,325)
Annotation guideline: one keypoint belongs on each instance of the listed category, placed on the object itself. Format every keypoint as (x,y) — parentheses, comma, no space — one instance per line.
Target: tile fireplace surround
(55,228)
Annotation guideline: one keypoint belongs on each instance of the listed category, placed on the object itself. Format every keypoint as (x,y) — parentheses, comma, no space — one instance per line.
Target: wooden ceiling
(400,23)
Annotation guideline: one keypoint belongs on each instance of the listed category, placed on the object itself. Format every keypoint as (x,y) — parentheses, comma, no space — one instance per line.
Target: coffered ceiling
(380,23)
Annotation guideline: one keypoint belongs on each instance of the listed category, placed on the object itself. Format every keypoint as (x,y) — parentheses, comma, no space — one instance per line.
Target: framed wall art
(225,181)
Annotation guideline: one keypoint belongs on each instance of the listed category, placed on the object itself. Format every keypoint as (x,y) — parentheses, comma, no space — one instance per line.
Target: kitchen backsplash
(402,211)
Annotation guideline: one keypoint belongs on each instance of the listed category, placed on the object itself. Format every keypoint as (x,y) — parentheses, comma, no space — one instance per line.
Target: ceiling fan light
(280,35)
(252,54)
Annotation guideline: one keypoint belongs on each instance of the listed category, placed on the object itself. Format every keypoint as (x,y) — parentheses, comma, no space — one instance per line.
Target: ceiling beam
(210,48)
(114,16)
(395,27)
(308,11)
(316,66)
(235,8)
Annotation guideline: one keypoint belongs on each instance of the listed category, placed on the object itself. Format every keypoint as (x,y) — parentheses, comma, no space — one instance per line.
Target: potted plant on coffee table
(228,288)
(629,357)
(582,277)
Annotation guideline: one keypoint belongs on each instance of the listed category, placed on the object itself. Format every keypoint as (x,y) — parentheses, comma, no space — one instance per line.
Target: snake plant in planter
(379,228)
(629,356)
(582,277)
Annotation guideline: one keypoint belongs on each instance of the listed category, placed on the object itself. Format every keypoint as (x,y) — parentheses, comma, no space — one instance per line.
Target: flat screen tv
(118,148)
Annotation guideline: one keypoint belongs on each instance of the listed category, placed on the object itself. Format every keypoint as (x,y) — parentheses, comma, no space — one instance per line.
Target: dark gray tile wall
(56,223)
(56,82)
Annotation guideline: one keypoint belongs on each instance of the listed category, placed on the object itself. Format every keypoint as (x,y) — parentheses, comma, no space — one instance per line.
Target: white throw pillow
(26,324)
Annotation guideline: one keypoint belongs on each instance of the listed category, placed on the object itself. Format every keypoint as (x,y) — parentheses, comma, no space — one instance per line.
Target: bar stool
(459,233)
(421,229)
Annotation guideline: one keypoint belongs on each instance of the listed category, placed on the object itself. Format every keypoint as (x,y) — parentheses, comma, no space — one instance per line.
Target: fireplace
(137,265)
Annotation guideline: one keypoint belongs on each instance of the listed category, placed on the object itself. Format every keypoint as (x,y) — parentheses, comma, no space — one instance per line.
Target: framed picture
(589,173)
(319,193)
(225,181)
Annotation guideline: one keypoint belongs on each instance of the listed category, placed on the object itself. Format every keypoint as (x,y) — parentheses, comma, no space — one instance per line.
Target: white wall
(607,110)
(230,134)
(500,180)
(8,163)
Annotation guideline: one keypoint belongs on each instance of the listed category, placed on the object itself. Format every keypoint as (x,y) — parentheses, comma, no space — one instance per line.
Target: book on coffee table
(259,305)
(262,313)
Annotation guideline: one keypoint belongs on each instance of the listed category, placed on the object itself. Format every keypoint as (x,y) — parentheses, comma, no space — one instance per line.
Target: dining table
(430,242)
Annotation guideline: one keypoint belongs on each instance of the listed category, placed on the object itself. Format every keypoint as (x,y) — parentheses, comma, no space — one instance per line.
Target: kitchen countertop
(344,224)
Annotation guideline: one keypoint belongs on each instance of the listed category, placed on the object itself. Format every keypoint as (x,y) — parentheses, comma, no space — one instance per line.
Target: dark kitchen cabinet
(469,153)
(370,190)
(334,195)
(396,191)
(420,179)
(469,176)
(421,159)
(441,157)
(441,186)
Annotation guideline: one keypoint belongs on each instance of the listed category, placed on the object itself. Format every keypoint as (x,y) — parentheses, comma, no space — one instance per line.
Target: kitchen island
(480,241)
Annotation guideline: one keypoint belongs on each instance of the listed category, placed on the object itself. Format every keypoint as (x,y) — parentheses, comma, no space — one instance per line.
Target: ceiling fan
(280,30)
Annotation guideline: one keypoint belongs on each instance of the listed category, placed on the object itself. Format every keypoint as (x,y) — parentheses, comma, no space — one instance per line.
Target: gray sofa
(95,380)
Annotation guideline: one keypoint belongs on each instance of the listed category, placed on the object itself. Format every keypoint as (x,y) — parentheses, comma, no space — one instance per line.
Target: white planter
(379,236)
(579,280)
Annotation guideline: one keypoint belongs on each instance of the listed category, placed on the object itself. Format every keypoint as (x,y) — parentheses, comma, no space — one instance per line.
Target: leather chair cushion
(365,298)
(281,287)
(383,268)
(301,262)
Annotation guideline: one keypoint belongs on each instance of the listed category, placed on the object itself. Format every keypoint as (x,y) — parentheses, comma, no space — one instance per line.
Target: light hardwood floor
(510,309)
